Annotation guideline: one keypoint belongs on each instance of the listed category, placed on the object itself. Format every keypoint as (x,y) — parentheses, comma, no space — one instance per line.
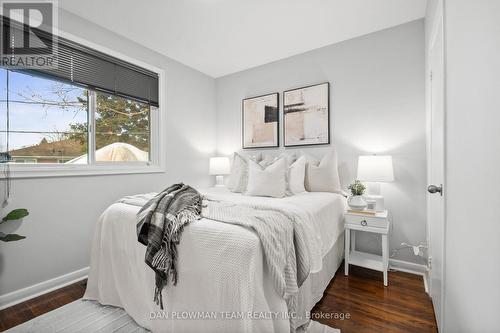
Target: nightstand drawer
(366,221)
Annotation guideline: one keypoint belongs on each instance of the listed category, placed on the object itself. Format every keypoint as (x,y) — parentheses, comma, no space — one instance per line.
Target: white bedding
(221,267)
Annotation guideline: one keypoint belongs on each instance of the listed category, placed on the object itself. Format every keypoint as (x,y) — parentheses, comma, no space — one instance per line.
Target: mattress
(222,272)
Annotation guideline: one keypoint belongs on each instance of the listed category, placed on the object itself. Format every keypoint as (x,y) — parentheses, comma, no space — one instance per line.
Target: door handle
(433,189)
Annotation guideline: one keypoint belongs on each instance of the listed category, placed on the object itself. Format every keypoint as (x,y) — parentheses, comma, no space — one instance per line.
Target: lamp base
(379,201)
(219,181)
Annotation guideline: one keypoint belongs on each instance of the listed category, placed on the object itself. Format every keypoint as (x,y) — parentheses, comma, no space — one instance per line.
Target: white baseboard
(410,267)
(41,288)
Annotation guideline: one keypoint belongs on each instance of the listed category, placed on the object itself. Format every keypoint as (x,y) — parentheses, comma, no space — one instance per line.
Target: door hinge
(430,75)
(429,263)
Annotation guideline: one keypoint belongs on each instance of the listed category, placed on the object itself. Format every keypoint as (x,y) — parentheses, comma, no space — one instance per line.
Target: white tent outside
(115,152)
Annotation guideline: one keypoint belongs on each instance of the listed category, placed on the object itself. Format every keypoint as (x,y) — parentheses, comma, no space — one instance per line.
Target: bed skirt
(311,292)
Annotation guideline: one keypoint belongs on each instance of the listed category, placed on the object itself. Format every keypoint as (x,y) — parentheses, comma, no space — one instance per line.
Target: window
(124,124)
(92,112)
(44,118)
(48,122)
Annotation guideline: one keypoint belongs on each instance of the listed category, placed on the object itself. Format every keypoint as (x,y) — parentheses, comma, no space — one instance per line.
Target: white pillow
(267,160)
(323,176)
(269,181)
(239,174)
(296,176)
(296,169)
(238,178)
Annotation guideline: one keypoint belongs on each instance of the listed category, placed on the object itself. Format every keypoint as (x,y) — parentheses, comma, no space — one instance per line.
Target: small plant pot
(356,202)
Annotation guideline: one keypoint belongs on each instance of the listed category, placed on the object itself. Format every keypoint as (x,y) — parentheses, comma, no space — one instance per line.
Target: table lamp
(375,169)
(219,166)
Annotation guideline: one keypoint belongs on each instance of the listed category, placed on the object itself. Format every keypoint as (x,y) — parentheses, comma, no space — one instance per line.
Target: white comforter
(222,272)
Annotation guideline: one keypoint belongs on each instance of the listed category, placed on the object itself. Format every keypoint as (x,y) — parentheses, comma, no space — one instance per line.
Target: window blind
(83,66)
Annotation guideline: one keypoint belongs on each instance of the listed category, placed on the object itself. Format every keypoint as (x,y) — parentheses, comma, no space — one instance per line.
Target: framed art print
(306,113)
(261,121)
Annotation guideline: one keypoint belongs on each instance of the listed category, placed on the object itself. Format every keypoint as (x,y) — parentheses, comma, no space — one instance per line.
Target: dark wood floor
(35,307)
(403,306)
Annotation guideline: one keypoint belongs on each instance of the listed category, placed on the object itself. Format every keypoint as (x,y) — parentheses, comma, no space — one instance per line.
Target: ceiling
(220,37)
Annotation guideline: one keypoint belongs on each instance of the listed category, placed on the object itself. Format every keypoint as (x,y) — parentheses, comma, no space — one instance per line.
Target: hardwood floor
(403,306)
(35,307)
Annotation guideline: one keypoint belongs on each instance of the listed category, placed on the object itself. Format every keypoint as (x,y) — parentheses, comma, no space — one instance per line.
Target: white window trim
(157,143)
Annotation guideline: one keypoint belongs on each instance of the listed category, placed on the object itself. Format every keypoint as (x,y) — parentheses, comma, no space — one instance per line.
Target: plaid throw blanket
(160,224)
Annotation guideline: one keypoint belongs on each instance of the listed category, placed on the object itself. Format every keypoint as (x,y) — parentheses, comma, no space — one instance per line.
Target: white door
(436,190)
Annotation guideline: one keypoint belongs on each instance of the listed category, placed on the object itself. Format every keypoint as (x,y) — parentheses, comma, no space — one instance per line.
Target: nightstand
(379,224)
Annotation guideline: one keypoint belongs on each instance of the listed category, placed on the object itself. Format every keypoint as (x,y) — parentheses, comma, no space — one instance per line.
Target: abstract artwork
(261,121)
(307,115)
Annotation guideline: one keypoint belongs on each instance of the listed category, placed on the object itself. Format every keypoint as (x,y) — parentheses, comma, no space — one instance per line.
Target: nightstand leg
(347,251)
(385,257)
(353,240)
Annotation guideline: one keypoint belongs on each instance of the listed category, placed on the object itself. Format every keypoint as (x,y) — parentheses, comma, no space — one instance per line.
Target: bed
(224,285)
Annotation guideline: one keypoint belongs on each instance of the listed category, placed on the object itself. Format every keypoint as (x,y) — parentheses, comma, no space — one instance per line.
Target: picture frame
(260,121)
(306,115)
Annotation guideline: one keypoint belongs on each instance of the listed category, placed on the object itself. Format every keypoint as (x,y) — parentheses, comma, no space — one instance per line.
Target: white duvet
(223,282)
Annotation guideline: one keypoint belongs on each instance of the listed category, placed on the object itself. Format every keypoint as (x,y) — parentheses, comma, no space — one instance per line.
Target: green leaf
(16,214)
(11,237)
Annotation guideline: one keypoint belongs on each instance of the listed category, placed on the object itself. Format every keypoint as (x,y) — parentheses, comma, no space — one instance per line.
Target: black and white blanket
(160,224)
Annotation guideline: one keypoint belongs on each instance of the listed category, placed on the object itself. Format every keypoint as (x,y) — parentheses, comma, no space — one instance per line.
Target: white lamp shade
(219,166)
(375,168)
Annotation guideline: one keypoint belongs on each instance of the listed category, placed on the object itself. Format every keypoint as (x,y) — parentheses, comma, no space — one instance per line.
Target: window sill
(19,171)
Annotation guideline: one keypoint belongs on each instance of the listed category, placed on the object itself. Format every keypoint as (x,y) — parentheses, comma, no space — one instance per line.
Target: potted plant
(13,215)
(16,214)
(356,200)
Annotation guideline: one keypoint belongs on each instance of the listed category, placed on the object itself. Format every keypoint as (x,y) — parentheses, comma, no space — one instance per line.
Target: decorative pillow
(239,174)
(323,176)
(295,171)
(269,181)
(296,176)
(238,178)
(267,160)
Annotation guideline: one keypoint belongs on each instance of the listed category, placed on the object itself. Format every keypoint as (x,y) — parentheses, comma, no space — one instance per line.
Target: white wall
(65,210)
(377,106)
(472,270)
